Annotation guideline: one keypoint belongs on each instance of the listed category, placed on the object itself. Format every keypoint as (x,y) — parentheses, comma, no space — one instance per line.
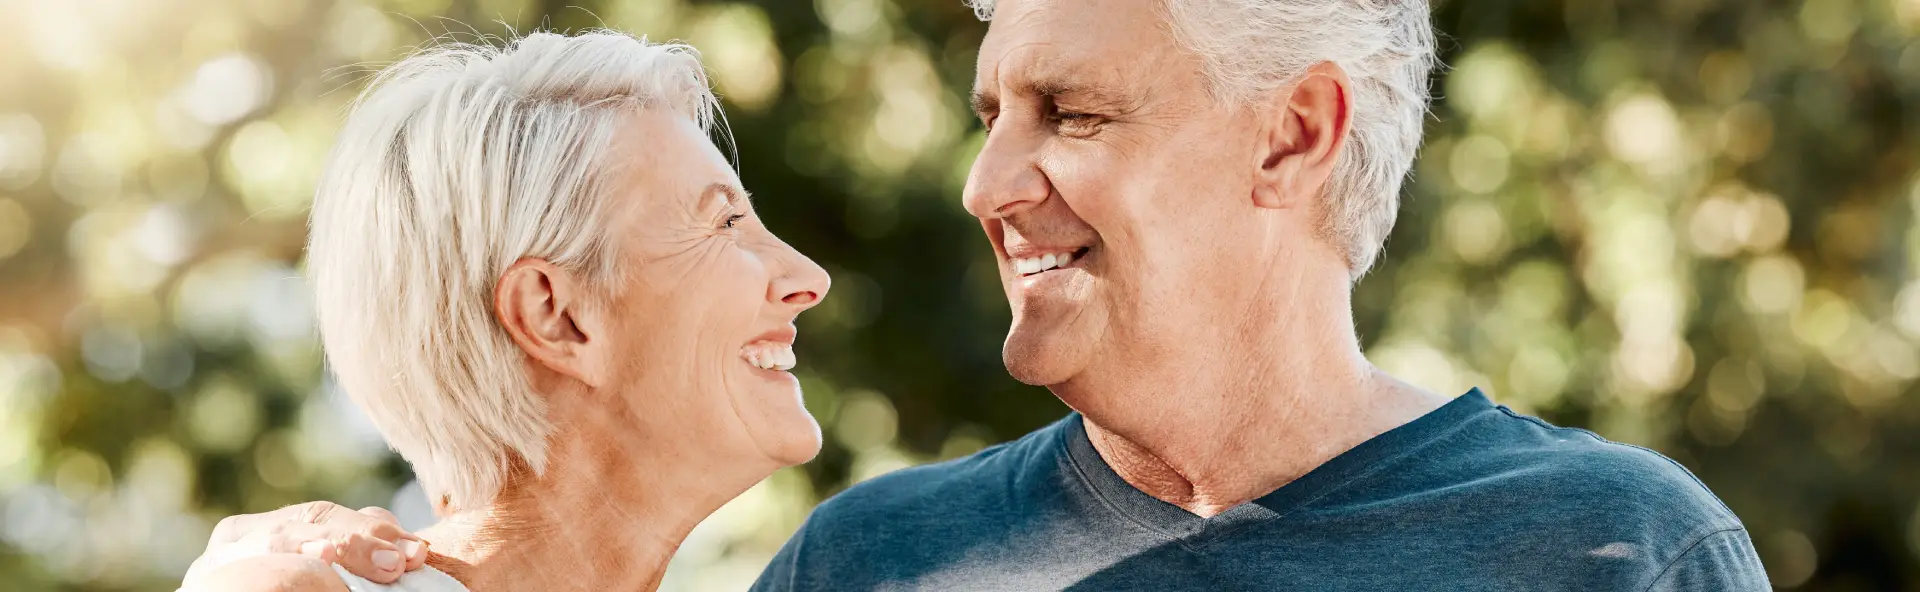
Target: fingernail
(386,560)
(410,548)
(314,548)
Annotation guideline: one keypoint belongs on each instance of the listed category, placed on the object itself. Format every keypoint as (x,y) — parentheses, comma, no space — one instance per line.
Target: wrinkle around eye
(1080,125)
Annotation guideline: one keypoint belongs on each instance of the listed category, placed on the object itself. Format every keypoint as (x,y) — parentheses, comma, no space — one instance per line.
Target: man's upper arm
(1724,560)
(278,572)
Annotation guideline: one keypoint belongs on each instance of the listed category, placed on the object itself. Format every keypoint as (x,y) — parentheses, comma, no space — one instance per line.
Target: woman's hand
(369,543)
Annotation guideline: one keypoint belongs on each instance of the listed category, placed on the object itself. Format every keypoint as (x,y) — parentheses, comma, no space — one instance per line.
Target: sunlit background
(1685,224)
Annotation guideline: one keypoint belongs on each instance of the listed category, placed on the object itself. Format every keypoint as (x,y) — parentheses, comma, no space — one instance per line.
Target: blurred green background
(1686,224)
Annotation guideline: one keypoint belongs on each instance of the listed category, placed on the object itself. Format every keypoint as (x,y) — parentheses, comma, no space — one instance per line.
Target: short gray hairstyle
(1386,48)
(452,165)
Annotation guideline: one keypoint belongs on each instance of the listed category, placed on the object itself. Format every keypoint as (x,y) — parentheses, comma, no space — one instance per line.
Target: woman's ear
(539,304)
(1305,127)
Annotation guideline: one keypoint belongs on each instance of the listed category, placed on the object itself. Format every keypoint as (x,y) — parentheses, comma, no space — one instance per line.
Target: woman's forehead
(668,157)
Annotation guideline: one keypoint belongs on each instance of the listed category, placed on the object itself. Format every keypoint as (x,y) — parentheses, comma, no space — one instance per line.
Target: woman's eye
(732,219)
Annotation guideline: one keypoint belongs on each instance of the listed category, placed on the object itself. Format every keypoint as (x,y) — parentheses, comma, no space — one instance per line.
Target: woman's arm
(279,572)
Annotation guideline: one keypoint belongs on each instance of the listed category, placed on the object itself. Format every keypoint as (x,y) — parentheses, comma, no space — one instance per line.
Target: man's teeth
(1033,265)
(769,355)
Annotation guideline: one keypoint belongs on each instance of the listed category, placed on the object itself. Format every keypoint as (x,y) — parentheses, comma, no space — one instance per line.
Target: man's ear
(539,305)
(1306,125)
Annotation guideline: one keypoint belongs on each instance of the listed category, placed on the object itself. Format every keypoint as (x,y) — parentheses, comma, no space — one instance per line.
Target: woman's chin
(797,445)
(786,439)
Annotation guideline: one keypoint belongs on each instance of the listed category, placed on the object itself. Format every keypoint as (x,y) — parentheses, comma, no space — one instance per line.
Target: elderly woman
(548,290)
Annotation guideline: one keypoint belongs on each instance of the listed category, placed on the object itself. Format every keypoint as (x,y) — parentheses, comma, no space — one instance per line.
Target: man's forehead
(1048,46)
(1048,69)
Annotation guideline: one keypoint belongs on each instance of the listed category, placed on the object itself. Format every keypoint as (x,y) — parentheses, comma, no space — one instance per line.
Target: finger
(372,558)
(321,550)
(412,547)
(353,539)
(365,547)
(415,552)
(303,539)
(364,554)
(237,527)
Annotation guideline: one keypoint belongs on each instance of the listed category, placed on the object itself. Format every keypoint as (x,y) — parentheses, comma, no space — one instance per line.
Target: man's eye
(732,219)
(1076,123)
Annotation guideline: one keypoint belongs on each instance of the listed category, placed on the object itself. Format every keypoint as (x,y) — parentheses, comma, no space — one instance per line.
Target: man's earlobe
(538,305)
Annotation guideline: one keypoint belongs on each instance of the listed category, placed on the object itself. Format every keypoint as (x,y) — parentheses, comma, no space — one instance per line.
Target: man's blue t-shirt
(1469,497)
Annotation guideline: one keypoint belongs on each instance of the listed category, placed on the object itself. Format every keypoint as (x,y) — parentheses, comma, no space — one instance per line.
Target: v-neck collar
(1195,532)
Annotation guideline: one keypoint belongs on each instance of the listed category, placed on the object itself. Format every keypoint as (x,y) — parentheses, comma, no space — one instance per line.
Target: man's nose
(1006,177)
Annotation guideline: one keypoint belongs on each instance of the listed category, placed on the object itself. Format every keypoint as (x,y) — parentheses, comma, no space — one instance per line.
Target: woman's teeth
(767,355)
(1033,265)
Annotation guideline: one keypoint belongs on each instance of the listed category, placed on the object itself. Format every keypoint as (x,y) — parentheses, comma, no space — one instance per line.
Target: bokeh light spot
(1479,164)
(1790,558)
(1726,75)
(80,474)
(850,18)
(1772,284)
(1745,132)
(1643,130)
(225,89)
(1476,231)
(23,146)
(223,416)
(736,42)
(15,227)
(866,421)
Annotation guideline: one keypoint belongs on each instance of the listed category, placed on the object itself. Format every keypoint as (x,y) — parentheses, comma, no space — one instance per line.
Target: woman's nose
(800,283)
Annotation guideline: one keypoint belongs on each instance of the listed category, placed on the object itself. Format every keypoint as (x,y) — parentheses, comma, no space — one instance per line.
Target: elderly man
(1181,194)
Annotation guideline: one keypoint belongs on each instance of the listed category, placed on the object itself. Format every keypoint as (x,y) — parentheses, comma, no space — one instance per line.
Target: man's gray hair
(455,163)
(1386,48)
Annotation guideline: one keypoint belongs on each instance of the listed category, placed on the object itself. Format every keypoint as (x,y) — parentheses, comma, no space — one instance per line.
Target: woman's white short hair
(453,164)
(1386,48)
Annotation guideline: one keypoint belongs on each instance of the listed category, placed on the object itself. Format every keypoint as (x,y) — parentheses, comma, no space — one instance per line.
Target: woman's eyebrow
(726,193)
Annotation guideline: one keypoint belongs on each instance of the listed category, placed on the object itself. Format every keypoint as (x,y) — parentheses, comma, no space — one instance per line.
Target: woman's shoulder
(280,572)
(287,572)
(425,579)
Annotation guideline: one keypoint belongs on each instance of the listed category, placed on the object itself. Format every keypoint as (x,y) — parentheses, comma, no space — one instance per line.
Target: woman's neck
(593,521)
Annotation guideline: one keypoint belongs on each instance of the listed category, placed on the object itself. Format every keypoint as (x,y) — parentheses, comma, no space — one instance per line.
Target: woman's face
(699,337)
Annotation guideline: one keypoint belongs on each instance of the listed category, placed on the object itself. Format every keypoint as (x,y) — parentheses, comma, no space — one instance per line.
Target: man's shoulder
(983,481)
(1589,474)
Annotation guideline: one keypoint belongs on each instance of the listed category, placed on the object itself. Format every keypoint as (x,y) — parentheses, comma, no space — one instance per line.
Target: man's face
(1105,146)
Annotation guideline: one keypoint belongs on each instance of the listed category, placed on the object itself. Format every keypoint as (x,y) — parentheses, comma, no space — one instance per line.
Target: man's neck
(1208,468)
(1284,393)
(593,521)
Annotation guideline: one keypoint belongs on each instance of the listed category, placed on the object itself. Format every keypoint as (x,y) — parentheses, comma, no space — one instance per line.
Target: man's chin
(1035,362)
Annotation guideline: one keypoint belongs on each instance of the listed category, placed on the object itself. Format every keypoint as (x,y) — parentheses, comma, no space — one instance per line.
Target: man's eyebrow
(1055,87)
(986,102)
